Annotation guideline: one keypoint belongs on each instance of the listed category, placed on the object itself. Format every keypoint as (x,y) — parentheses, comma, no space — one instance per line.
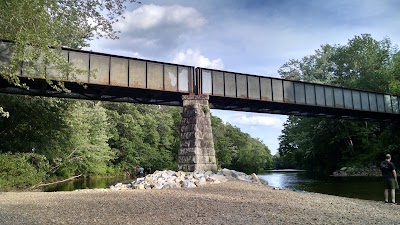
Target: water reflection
(369,188)
(281,180)
(89,183)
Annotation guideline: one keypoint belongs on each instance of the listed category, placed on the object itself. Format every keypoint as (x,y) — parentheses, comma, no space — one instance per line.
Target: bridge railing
(245,86)
(126,72)
(113,70)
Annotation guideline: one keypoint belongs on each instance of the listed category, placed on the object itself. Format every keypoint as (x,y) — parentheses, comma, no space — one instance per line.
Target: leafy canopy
(48,25)
(324,145)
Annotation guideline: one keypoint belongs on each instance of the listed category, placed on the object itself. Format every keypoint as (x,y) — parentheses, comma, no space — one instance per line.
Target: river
(87,183)
(369,188)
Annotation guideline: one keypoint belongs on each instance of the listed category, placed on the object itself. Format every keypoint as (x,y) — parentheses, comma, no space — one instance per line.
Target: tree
(35,124)
(323,145)
(87,151)
(364,63)
(40,28)
(142,135)
(224,150)
(72,135)
(237,150)
(315,68)
(21,170)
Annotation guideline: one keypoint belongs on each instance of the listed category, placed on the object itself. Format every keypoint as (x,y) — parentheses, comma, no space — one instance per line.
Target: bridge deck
(274,95)
(118,78)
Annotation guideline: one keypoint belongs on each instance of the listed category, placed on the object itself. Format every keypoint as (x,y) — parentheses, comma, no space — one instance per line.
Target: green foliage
(92,138)
(237,150)
(84,137)
(21,170)
(34,124)
(317,68)
(364,63)
(224,150)
(279,162)
(40,28)
(87,151)
(142,135)
(389,142)
(73,135)
(324,145)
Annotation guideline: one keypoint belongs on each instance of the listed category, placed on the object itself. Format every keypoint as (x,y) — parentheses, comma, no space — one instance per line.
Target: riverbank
(232,202)
(285,170)
(370,171)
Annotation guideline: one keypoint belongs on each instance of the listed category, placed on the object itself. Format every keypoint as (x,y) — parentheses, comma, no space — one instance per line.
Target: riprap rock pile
(171,179)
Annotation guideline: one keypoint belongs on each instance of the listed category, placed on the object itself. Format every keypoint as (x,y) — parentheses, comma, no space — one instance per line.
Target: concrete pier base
(196,152)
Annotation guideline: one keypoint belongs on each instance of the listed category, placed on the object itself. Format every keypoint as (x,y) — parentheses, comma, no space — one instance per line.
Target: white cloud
(152,16)
(258,121)
(267,127)
(195,58)
(250,119)
(155,31)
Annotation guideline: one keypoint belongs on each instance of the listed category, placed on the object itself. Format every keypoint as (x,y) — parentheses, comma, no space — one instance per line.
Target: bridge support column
(196,152)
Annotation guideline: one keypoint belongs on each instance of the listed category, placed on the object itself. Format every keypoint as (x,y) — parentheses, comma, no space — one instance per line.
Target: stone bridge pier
(196,152)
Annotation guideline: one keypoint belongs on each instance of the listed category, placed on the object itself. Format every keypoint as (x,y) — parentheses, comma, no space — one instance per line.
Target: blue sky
(253,37)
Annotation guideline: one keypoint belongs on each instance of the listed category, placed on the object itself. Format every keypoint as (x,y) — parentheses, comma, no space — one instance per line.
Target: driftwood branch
(56,182)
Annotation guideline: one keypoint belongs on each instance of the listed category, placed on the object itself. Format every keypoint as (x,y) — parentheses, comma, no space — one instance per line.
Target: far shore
(285,170)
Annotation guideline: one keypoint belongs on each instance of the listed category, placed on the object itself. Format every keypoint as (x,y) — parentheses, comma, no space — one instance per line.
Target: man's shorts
(389,183)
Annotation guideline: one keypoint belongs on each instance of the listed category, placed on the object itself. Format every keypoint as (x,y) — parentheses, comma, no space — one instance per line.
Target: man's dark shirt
(386,169)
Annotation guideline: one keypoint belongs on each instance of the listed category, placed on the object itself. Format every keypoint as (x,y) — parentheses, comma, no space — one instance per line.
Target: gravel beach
(232,202)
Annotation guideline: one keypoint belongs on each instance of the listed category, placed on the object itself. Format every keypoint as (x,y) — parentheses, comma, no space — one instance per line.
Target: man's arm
(394,174)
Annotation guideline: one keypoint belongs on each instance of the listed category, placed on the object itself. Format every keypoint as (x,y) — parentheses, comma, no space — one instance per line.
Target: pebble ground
(233,202)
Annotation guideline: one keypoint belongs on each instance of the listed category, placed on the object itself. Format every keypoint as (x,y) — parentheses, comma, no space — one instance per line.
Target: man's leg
(386,193)
(393,195)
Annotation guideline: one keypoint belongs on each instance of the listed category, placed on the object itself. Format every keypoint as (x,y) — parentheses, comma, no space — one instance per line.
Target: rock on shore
(170,179)
(358,171)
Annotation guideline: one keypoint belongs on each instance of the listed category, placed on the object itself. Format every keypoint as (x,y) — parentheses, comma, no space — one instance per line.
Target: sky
(252,37)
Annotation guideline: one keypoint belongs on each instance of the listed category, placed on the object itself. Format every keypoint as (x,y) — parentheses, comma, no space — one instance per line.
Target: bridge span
(118,78)
(109,77)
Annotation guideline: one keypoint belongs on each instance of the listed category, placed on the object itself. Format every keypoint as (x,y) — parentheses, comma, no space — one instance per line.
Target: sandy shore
(233,202)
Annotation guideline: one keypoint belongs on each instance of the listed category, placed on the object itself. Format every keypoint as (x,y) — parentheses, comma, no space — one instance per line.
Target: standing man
(141,171)
(389,178)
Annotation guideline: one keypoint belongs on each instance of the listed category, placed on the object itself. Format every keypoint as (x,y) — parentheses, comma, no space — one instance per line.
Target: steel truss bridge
(110,77)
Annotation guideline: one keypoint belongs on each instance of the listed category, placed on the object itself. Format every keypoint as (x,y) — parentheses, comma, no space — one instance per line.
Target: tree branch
(56,182)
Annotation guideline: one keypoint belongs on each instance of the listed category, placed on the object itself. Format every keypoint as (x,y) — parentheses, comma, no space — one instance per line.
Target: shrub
(21,170)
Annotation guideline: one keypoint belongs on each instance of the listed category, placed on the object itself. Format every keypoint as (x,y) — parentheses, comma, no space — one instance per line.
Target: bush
(21,170)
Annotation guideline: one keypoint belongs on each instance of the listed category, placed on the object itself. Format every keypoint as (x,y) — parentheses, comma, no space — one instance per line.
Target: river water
(88,183)
(369,188)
